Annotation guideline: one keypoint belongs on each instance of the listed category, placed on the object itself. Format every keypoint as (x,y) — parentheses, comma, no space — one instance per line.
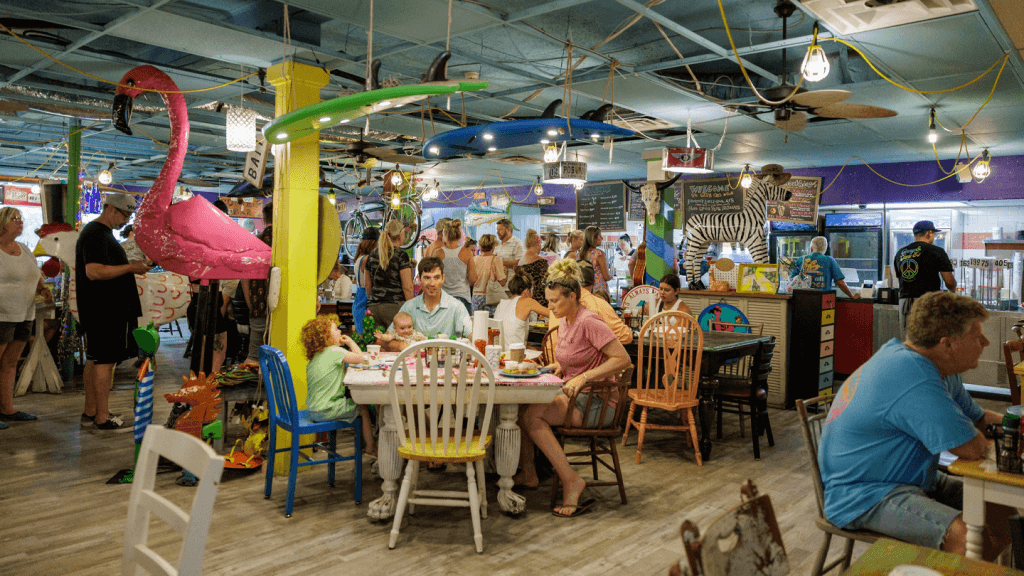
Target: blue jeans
(359,309)
(911,514)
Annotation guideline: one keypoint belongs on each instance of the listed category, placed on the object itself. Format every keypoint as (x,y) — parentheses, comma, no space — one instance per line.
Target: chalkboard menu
(803,206)
(637,210)
(602,205)
(712,196)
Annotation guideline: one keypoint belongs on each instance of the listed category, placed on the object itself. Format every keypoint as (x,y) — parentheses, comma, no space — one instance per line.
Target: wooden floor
(60,517)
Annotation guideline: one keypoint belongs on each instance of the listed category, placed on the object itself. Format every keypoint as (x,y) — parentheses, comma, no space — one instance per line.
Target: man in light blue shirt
(433,311)
(893,417)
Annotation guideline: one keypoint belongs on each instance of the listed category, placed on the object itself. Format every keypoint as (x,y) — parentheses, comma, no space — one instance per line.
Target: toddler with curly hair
(327,398)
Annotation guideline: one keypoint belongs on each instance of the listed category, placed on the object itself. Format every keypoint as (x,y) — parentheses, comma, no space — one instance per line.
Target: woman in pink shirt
(587,351)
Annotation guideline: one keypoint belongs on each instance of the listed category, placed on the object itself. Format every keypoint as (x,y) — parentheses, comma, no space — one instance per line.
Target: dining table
(983,483)
(886,554)
(719,347)
(369,384)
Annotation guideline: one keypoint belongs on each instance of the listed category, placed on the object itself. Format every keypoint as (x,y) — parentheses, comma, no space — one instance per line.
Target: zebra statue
(747,226)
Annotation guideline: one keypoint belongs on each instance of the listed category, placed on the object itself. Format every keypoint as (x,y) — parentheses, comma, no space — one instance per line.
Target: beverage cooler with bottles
(789,240)
(901,228)
(855,241)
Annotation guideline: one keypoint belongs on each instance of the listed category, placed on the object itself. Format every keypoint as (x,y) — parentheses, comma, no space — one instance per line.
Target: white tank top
(456,280)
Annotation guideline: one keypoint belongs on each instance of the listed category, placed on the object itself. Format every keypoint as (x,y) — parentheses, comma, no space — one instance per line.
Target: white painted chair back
(193,455)
(441,400)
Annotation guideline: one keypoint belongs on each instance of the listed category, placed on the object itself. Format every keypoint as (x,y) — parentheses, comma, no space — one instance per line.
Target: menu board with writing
(712,196)
(602,205)
(803,206)
(637,210)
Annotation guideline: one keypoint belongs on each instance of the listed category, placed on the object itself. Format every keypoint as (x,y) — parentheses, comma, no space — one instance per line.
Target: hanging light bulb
(982,169)
(432,192)
(933,136)
(551,153)
(331,198)
(241,130)
(396,177)
(745,178)
(538,188)
(815,66)
(35,188)
(396,200)
(106,176)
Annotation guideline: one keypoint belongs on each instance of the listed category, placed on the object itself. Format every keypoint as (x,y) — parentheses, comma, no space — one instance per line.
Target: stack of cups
(493,355)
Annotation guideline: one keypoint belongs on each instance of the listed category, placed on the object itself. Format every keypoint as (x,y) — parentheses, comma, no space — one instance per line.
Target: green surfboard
(305,121)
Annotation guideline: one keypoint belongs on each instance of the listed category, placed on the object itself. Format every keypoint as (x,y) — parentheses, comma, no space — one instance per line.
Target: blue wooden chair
(284,413)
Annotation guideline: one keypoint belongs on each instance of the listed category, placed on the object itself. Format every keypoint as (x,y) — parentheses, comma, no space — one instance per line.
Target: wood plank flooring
(60,517)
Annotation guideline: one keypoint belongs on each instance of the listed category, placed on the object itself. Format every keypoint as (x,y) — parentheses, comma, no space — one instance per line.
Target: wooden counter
(772,310)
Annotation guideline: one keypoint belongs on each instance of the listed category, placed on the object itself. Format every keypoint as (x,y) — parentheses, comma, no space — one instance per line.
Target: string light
(432,192)
(106,176)
(746,179)
(815,66)
(933,135)
(551,153)
(982,169)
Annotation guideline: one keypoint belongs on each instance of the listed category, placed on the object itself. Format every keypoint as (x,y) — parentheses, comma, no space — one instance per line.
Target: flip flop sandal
(577,510)
(18,416)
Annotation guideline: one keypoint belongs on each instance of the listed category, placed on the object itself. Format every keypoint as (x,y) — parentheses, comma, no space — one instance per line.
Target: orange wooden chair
(1012,378)
(547,347)
(668,372)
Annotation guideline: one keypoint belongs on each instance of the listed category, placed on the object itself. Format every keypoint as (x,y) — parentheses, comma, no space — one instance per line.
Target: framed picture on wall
(762,278)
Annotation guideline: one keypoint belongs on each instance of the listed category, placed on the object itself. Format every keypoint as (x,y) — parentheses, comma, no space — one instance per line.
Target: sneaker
(112,423)
(18,416)
(86,419)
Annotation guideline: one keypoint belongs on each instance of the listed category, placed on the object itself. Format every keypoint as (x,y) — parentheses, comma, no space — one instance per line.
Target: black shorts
(111,341)
(11,331)
(190,314)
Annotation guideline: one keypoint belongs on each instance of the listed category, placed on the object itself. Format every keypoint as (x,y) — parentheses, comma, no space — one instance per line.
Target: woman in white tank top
(517,314)
(459,272)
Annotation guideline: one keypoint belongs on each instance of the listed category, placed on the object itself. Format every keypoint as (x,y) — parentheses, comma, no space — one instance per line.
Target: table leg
(974,515)
(707,416)
(506,453)
(389,465)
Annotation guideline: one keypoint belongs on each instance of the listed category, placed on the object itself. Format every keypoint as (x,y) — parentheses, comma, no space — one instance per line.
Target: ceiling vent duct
(852,16)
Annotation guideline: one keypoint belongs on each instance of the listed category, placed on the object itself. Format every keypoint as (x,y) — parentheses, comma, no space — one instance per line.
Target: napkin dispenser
(887,296)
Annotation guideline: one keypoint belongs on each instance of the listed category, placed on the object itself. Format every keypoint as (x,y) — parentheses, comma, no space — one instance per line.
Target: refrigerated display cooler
(855,241)
(790,240)
(901,228)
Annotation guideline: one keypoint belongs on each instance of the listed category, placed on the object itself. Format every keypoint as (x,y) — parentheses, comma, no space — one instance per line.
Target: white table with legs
(371,387)
(982,485)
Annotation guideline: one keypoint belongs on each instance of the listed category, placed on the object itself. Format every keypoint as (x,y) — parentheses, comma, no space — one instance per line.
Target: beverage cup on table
(517,352)
(493,355)
(374,351)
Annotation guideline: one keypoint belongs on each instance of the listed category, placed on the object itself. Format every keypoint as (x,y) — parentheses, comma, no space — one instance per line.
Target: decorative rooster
(190,237)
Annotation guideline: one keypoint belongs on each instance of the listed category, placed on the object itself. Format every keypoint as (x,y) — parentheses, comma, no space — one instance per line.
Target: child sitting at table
(327,398)
(401,334)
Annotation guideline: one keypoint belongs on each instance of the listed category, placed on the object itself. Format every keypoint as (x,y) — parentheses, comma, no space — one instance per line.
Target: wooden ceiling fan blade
(819,98)
(198,182)
(389,155)
(795,123)
(844,110)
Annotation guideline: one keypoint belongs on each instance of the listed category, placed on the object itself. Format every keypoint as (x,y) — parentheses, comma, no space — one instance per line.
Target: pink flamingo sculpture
(190,237)
(717,321)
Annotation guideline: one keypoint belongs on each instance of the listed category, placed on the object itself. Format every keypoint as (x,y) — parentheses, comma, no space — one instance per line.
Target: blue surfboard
(514,133)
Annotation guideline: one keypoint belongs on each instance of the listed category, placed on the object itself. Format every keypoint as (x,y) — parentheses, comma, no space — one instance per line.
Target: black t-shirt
(387,282)
(116,299)
(918,266)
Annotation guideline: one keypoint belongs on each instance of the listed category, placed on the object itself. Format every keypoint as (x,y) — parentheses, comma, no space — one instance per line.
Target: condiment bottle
(442,351)
(1011,443)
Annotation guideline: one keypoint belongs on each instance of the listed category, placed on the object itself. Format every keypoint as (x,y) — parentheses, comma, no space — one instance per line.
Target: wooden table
(719,348)
(885,554)
(982,485)
(371,387)
(40,371)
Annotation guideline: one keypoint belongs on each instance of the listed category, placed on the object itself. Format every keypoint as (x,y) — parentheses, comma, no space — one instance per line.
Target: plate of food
(518,374)
(520,369)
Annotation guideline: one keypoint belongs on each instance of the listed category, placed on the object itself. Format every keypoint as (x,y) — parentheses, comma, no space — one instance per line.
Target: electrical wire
(51,139)
(743,68)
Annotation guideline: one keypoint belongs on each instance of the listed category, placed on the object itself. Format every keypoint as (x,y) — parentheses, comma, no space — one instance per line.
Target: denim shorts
(11,331)
(590,418)
(911,514)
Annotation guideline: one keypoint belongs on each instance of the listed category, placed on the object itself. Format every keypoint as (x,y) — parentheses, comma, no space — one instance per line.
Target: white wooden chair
(193,455)
(441,411)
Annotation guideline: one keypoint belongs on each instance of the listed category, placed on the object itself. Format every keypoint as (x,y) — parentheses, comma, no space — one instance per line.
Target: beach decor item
(747,227)
(190,237)
(763,278)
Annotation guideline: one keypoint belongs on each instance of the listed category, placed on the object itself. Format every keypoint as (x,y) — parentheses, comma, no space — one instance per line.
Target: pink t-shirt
(580,343)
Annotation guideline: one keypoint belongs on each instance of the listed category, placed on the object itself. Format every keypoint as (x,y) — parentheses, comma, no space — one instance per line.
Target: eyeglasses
(127,215)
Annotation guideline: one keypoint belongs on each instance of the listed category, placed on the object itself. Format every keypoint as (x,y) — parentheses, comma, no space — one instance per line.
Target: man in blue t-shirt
(821,270)
(892,418)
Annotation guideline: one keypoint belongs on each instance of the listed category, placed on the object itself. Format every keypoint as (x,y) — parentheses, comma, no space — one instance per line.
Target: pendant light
(933,136)
(746,177)
(815,66)
(106,176)
(240,126)
(982,169)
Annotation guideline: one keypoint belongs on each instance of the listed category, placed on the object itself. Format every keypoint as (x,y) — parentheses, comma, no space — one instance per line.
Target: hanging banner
(256,164)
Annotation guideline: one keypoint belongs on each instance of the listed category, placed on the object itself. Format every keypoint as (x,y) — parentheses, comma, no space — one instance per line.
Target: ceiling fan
(793,114)
(362,151)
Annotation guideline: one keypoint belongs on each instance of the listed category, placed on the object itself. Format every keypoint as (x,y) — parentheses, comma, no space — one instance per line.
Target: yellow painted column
(296,178)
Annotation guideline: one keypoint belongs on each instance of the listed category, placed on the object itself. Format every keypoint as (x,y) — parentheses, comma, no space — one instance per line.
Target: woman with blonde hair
(459,271)
(20,281)
(388,274)
(575,241)
(534,266)
(591,251)
(549,251)
(488,267)
(587,350)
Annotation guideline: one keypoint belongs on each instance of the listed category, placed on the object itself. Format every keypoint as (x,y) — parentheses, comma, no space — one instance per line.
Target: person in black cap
(919,266)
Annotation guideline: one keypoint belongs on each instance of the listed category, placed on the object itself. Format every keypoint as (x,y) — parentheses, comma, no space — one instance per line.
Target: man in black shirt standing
(920,266)
(108,304)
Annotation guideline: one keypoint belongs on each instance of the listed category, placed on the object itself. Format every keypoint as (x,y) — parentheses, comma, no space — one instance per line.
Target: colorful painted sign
(802,207)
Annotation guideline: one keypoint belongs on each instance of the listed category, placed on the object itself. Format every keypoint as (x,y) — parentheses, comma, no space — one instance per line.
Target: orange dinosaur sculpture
(197,403)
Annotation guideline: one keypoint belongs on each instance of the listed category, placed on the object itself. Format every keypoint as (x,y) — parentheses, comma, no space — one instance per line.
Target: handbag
(495,291)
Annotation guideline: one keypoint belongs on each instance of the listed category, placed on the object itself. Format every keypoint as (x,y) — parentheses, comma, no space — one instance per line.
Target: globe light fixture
(106,176)
(396,200)
(241,130)
(396,177)
(551,153)
(746,178)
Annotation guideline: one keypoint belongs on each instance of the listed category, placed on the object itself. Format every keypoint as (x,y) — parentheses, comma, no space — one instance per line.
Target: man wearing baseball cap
(108,305)
(920,266)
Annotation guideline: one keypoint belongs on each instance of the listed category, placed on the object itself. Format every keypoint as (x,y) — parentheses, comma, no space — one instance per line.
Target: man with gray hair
(892,418)
(822,270)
